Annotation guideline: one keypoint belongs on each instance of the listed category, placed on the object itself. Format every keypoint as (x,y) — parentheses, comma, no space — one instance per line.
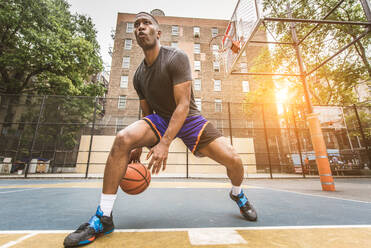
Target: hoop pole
(275,19)
(328,14)
(318,142)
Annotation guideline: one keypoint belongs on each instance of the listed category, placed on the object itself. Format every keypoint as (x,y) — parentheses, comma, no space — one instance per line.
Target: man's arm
(182,96)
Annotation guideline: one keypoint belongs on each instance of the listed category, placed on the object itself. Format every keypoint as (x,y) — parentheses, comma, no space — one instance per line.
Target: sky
(104,14)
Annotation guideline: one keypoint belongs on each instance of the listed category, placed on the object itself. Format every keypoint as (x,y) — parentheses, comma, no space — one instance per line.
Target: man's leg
(136,135)
(222,152)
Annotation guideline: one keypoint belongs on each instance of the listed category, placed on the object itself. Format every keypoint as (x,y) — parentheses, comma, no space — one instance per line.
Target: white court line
(331,197)
(11,243)
(215,237)
(195,229)
(12,191)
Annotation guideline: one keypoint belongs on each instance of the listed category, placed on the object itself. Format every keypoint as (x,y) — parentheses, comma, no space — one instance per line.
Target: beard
(147,43)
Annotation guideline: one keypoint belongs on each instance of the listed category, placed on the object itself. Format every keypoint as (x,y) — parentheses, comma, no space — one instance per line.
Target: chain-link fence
(59,136)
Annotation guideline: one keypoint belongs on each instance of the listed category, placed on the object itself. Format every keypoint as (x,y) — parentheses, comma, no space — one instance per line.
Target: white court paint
(324,196)
(193,229)
(14,191)
(11,243)
(215,237)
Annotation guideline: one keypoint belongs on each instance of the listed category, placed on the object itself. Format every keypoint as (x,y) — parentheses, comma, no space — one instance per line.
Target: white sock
(106,203)
(236,190)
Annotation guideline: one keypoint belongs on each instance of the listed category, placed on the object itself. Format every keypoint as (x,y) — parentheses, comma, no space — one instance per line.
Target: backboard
(244,23)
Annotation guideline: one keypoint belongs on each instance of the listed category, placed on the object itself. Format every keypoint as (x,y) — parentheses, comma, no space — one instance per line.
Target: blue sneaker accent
(95,223)
(241,199)
(110,231)
(98,225)
(85,242)
(246,209)
(99,211)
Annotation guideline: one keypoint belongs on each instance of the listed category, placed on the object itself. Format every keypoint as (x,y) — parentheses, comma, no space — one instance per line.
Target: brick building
(213,90)
(192,35)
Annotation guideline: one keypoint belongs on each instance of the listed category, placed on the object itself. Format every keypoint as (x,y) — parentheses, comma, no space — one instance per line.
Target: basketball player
(163,82)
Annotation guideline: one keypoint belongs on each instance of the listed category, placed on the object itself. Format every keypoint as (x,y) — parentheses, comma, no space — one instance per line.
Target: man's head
(147,30)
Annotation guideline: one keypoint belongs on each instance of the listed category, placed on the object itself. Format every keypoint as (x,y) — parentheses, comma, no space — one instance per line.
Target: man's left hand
(159,155)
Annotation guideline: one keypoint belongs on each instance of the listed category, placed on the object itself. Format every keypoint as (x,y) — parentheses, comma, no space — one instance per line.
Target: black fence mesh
(73,135)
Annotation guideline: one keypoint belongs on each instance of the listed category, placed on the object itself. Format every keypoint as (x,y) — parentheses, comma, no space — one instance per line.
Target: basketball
(136,179)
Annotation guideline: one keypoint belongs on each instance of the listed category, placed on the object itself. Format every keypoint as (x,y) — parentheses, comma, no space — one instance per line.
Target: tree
(44,49)
(334,82)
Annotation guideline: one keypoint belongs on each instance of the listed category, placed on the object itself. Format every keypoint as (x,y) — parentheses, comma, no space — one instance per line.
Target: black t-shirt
(155,83)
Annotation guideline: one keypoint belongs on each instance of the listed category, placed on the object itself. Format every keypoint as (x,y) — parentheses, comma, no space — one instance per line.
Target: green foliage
(44,49)
(333,83)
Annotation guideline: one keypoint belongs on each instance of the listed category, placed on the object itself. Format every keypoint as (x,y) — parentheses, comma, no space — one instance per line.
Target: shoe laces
(95,223)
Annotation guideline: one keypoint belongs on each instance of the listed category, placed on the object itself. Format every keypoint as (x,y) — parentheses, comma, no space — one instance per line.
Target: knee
(235,160)
(123,140)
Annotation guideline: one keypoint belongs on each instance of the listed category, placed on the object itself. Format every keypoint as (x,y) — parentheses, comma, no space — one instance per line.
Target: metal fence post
(362,134)
(266,143)
(34,136)
(298,141)
(187,164)
(139,112)
(230,123)
(91,137)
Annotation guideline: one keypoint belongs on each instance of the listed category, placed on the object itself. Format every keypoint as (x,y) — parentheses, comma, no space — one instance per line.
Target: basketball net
(227,46)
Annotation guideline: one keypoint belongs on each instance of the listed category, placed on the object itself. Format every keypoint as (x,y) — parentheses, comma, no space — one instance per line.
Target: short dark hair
(149,15)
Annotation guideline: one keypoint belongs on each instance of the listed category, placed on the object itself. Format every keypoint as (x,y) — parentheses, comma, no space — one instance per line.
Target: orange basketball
(136,179)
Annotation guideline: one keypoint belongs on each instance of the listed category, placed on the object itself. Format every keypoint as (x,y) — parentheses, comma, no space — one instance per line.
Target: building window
(174,44)
(218,105)
(126,62)
(128,44)
(243,67)
(197,48)
(198,103)
(174,30)
(216,66)
(122,102)
(197,65)
(124,82)
(129,27)
(217,85)
(197,84)
(214,32)
(215,49)
(245,86)
(196,32)
(119,124)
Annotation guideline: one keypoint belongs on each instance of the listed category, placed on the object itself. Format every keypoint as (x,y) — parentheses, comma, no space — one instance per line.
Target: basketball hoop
(225,44)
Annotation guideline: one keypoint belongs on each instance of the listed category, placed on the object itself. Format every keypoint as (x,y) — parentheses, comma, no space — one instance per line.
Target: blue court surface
(190,213)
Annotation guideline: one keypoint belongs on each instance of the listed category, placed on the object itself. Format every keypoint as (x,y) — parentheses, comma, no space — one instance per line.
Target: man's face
(146,32)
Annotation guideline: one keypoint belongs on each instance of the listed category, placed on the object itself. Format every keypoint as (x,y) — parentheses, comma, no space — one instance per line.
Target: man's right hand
(135,155)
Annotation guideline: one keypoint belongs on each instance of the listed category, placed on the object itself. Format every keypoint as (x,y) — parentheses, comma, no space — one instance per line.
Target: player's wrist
(165,141)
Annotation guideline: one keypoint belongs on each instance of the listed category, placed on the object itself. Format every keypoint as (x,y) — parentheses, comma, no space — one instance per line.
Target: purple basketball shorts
(196,132)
